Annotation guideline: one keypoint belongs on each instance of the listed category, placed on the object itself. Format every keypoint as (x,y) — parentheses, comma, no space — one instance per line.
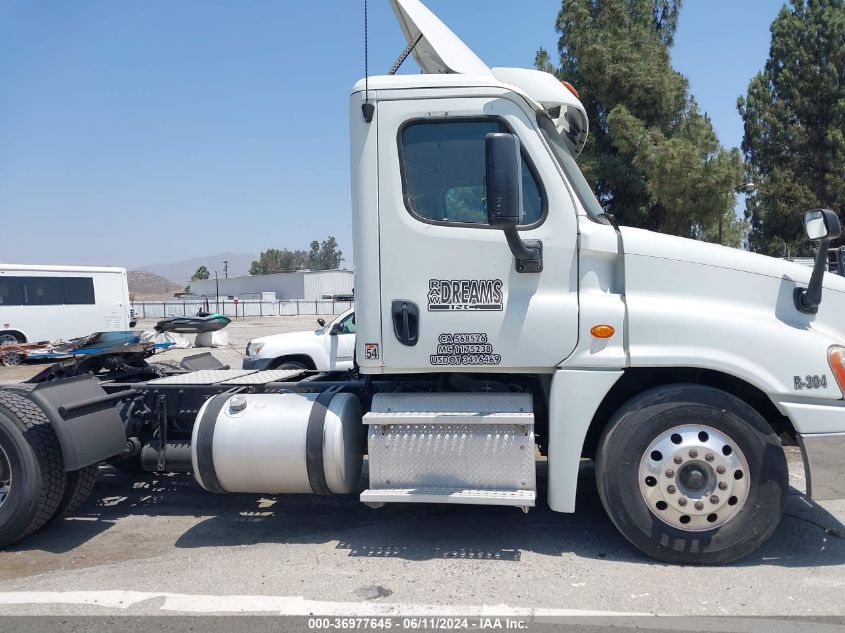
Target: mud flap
(84,418)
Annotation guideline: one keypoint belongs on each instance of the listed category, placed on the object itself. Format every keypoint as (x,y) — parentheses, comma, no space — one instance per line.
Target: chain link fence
(249,308)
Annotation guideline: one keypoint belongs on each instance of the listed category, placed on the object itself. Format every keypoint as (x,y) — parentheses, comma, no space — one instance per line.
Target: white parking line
(278,605)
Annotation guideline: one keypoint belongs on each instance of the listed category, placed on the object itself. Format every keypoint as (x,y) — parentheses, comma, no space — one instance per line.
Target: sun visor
(565,109)
(438,50)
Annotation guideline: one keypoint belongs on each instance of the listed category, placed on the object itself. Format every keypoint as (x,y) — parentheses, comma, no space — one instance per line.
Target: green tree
(278,261)
(794,115)
(202,273)
(652,156)
(323,255)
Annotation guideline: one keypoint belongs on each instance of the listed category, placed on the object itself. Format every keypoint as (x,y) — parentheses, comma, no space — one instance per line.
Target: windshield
(570,168)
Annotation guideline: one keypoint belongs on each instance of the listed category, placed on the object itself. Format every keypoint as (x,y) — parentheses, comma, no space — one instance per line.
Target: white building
(304,284)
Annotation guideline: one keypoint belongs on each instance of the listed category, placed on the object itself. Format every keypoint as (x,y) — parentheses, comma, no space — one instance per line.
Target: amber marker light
(571,89)
(836,360)
(606,331)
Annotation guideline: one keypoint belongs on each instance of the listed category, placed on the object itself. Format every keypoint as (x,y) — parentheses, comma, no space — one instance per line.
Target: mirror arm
(807,299)
(528,254)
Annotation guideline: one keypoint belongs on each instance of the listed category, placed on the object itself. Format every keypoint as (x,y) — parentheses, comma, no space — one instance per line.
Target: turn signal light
(836,360)
(606,331)
(571,89)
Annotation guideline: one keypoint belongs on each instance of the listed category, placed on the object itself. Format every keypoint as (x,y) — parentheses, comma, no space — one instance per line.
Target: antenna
(367,108)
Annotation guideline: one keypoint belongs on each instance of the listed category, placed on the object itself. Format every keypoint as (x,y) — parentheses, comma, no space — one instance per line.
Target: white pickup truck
(330,347)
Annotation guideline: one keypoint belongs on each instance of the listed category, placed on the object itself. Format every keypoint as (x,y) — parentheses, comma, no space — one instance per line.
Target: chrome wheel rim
(5,477)
(11,359)
(694,478)
(8,339)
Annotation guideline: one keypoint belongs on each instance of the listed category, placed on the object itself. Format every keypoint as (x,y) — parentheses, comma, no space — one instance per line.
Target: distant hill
(181,272)
(144,284)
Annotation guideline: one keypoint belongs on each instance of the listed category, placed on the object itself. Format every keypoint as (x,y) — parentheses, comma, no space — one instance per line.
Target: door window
(347,325)
(443,170)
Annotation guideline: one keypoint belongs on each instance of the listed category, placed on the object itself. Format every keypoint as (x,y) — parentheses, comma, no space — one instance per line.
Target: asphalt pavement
(160,545)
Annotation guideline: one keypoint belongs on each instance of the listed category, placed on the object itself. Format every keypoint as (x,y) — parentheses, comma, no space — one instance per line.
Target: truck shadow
(809,536)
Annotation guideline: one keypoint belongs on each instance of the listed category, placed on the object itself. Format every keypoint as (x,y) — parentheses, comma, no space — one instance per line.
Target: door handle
(406,321)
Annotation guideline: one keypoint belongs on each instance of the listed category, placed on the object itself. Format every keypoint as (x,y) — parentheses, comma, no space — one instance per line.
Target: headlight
(836,360)
(253,348)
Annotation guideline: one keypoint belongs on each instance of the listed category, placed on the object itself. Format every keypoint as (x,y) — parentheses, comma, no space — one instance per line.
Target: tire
(23,388)
(11,338)
(78,484)
(291,364)
(711,511)
(78,487)
(33,458)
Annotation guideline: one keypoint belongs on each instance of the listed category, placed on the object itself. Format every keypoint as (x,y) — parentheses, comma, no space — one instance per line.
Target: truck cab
(597,314)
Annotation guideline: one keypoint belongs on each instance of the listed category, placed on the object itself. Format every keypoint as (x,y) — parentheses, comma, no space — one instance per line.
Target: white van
(49,303)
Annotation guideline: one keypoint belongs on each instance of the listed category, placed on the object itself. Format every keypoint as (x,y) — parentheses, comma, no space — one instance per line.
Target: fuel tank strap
(205,444)
(314,442)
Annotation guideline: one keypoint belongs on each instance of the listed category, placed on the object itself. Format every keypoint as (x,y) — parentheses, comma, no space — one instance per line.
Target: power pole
(226,268)
(217,292)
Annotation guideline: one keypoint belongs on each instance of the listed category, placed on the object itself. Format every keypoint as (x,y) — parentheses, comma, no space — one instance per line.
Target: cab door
(451,296)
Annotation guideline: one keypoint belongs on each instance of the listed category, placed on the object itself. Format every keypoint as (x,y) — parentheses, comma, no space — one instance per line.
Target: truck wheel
(691,474)
(78,487)
(32,478)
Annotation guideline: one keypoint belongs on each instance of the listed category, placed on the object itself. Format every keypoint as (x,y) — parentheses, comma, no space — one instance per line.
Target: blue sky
(136,133)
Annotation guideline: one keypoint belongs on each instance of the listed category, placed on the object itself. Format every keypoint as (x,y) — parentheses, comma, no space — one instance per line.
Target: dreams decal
(465,294)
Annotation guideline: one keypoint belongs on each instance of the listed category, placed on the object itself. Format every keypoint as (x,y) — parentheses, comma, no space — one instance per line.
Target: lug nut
(682,501)
(678,459)
(709,457)
(720,470)
(670,473)
(693,453)
(723,485)
(714,499)
(671,490)
(699,505)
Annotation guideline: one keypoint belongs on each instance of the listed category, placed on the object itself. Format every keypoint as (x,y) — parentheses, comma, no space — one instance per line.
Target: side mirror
(504,198)
(821,225)
(504,180)
(337,328)
(321,322)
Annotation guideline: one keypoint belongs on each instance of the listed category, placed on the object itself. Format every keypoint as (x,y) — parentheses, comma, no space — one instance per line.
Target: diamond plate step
(451,448)
(450,408)
(518,498)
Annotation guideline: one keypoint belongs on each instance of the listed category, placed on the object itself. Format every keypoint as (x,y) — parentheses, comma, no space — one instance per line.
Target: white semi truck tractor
(500,315)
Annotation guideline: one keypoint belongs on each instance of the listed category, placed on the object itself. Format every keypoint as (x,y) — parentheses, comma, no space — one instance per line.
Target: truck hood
(698,305)
(649,244)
